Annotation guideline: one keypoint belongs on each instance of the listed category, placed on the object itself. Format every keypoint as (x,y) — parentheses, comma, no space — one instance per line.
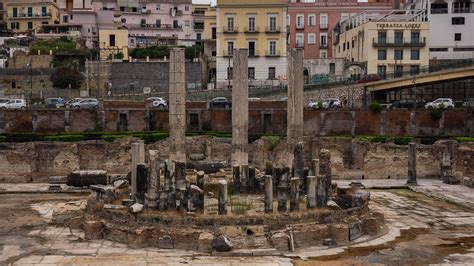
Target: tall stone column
(240,109)
(142,181)
(138,156)
(321,192)
(222,200)
(294,194)
(294,133)
(325,170)
(268,193)
(311,195)
(298,160)
(412,164)
(153,186)
(177,106)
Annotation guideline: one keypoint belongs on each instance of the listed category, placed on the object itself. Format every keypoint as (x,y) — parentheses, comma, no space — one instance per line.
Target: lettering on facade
(399,25)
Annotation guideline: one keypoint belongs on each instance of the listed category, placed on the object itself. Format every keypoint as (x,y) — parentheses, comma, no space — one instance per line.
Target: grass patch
(464,139)
(64,138)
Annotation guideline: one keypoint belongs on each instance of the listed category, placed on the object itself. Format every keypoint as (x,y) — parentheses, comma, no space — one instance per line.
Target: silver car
(86,103)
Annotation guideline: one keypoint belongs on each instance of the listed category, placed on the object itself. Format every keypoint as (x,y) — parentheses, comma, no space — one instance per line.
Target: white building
(452,25)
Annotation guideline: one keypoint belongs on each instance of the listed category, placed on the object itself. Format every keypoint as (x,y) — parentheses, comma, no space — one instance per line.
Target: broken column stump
(141,184)
(153,186)
(93,230)
(222,203)
(321,192)
(236,184)
(412,164)
(311,195)
(268,193)
(252,184)
(294,194)
(200,179)
(325,170)
(282,198)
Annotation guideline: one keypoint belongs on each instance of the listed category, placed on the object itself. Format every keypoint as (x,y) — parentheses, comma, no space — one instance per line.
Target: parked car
(15,104)
(441,102)
(55,103)
(86,103)
(462,104)
(3,102)
(466,104)
(331,103)
(159,102)
(313,104)
(407,103)
(254,99)
(220,102)
(69,103)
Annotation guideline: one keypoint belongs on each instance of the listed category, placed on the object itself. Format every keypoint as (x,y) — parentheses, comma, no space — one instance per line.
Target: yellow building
(209,42)
(260,27)
(30,15)
(113,42)
(390,43)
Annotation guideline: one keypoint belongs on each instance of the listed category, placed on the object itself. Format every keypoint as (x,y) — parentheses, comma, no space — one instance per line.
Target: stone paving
(403,210)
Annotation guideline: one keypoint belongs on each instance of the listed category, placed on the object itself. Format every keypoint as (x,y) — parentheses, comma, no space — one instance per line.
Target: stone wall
(264,117)
(350,158)
(22,60)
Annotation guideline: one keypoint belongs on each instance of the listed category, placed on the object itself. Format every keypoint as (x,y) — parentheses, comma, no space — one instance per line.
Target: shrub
(151,137)
(437,113)
(271,141)
(62,78)
(2,139)
(459,139)
(402,140)
(64,138)
(320,105)
(111,138)
(378,139)
(375,107)
(219,134)
(428,141)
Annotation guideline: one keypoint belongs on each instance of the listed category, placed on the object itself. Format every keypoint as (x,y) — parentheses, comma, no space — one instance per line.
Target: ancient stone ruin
(166,203)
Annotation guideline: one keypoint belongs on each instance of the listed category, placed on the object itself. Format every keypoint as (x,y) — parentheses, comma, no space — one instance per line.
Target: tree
(64,78)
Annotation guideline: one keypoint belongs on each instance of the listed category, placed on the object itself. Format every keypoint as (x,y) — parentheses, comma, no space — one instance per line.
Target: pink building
(311,22)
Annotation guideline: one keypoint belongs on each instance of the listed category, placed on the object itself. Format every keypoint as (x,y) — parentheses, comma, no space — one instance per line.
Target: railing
(198,27)
(271,53)
(323,26)
(439,11)
(299,45)
(156,26)
(299,26)
(230,30)
(253,29)
(399,42)
(272,29)
(323,45)
(30,15)
(253,53)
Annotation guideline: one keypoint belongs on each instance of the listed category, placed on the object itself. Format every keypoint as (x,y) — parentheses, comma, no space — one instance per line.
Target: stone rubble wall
(350,158)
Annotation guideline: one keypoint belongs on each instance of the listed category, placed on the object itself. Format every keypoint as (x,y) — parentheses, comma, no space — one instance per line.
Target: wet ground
(430,231)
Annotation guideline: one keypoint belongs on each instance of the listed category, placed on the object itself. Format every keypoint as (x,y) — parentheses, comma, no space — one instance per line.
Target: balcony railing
(253,53)
(300,26)
(198,27)
(459,10)
(399,42)
(230,30)
(155,26)
(254,29)
(439,11)
(227,53)
(30,15)
(299,45)
(273,29)
(323,26)
(271,53)
(323,45)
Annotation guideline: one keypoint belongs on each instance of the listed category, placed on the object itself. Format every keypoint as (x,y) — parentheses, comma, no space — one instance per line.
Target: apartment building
(382,42)
(199,12)
(210,46)
(30,15)
(3,17)
(311,22)
(260,27)
(113,42)
(454,20)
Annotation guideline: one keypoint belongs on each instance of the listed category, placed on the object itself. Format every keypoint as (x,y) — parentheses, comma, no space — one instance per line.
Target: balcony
(272,53)
(300,26)
(254,29)
(299,45)
(154,26)
(323,45)
(198,26)
(227,53)
(230,30)
(253,53)
(30,15)
(272,29)
(399,42)
(439,11)
(323,26)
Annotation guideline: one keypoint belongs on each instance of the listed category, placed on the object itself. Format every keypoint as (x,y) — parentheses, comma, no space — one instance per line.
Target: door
(267,123)
(194,122)
(251,48)
(123,123)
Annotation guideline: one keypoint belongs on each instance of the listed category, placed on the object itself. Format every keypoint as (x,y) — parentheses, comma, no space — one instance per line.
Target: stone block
(222,244)
(339,233)
(93,229)
(165,242)
(205,242)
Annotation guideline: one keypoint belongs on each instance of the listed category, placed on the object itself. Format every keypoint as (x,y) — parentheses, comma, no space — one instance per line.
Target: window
(71,17)
(112,39)
(15,25)
(415,37)
(15,12)
(323,38)
(332,68)
(398,55)
(230,24)
(271,73)
(323,54)
(457,36)
(65,19)
(414,69)
(13,84)
(229,73)
(213,33)
(186,23)
(323,21)
(457,21)
(300,21)
(198,36)
(143,22)
(272,47)
(30,25)
(344,46)
(399,37)
(415,55)
(252,46)
(311,38)
(43,11)
(381,70)
(344,16)
(175,24)
(398,70)
(273,23)
(299,40)
(439,8)
(438,49)
(462,7)
(186,8)
(158,23)
(251,73)
(382,55)
(158,7)
(312,20)
(353,43)
(230,48)
(382,37)
(30,11)
(251,24)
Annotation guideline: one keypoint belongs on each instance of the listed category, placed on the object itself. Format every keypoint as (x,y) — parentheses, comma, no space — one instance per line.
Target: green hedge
(64,138)
(2,139)
(464,139)
(402,140)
